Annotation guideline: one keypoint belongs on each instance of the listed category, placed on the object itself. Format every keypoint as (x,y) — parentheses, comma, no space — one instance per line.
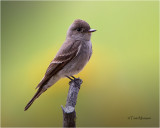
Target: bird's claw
(74,80)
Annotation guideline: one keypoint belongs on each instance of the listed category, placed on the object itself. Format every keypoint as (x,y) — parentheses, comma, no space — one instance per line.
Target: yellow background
(120,80)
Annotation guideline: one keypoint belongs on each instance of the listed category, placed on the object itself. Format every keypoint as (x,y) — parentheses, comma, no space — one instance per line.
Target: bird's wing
(67,52)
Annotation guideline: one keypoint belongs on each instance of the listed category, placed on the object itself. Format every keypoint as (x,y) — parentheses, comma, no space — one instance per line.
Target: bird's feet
(69,78)
(77,81)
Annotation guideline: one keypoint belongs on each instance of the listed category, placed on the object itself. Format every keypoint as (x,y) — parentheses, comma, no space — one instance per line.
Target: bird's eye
(78,29)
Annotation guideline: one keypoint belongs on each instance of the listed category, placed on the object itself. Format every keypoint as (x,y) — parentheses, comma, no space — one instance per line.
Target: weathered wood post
(69,113)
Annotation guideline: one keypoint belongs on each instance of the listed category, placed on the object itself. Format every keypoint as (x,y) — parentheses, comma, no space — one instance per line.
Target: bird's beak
(92,30)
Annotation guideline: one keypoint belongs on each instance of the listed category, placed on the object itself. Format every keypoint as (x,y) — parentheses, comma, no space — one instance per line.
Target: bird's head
(80,30)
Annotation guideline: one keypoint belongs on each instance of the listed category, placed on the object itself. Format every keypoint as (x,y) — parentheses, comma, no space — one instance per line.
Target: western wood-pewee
(70,59)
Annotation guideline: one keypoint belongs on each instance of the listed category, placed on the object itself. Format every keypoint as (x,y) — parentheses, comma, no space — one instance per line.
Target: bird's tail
(38,93)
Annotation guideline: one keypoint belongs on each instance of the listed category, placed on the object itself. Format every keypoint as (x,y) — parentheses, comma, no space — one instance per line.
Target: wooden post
(69,113)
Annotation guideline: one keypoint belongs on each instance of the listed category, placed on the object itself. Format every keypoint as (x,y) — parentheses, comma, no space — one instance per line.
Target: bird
(71,58)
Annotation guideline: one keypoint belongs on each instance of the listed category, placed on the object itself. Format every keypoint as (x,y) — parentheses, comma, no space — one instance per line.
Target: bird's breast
(81,59)
(86,50)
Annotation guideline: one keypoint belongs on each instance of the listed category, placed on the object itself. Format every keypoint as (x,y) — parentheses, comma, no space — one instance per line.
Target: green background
(120,80)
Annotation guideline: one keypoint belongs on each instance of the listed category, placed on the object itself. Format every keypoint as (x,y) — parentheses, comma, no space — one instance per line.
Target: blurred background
(120,80)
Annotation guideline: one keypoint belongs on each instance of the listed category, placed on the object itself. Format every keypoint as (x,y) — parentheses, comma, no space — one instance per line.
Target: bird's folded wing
(67,52)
